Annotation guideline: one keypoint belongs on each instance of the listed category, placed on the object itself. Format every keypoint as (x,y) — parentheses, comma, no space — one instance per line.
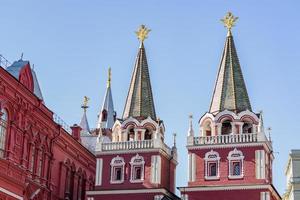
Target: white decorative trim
(223,146)
(115,163)
(222,188)
(133,191)
(192,167)
(152,150)
(156,169)
(10,193)
(137,161)
(212,157)
(249,113)
(235,156)
(226,112)
(99,168)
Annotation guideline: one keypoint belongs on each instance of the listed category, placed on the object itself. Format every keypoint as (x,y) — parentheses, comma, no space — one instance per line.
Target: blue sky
(72,43)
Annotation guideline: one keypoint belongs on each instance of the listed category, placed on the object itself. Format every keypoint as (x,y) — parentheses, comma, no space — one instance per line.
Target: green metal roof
(139,101)
(230,89)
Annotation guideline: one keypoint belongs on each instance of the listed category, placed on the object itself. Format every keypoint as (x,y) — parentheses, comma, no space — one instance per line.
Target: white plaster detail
(137,161)
(117,163)
(212,157)
(234,157)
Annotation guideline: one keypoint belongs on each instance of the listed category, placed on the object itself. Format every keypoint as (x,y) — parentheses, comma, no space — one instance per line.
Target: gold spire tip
(142,33)
(85,102)
(109,77)
(229,20)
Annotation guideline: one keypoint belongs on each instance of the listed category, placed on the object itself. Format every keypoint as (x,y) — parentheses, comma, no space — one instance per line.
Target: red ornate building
(232,158)
(133,161)
(39,158)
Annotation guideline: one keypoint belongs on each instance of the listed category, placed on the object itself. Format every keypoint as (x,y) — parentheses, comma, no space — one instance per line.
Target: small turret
(107,115)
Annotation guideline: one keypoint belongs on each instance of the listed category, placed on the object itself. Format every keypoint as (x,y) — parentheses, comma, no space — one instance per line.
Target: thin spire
(84,122)
(230,89)
(107,115)
(109,78)
(139,102)
(191,130)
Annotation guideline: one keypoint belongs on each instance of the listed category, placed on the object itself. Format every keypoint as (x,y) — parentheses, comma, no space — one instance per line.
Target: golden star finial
(229,20)
(109,77)
(142,33)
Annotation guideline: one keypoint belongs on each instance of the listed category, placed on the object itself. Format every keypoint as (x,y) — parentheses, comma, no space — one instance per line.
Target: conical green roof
(139,103)
(230,89)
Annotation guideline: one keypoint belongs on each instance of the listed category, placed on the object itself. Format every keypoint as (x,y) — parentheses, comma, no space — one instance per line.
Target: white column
(99,167)
(219,128)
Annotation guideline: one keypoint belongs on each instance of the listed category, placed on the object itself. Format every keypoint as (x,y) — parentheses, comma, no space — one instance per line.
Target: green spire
(230,89)
(139,103)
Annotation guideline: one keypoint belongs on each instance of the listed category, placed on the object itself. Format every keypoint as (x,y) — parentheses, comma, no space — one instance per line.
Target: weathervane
(85,103)
(229,20)
(109,77)
(142,33)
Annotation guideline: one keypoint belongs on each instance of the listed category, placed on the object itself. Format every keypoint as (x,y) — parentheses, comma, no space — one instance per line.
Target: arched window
(235,161)
(104,116)
(137,169)
(3,131)
(212,163)
(247,127)
(226,127)
(117,170)
(130,134)
(148,135)
(207,129)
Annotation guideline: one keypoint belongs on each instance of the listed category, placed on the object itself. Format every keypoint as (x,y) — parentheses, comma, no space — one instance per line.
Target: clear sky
(72,43)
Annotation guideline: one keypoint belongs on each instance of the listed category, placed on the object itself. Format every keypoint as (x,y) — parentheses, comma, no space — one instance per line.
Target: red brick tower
(232,158)
(134,162)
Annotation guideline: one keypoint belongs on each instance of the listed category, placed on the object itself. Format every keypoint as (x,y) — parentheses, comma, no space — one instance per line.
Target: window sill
(137,181)
(116,182)
(235,177)
(212,177)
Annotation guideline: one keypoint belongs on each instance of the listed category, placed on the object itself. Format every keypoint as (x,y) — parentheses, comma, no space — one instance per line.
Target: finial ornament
(174,139)
(229,20)
(109,77)
(85,103)
(142,33)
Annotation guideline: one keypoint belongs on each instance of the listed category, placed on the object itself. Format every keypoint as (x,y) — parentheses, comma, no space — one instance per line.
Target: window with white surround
(155,169)
(3,130)
(260,164)
(137,169)
(265,196)
(99,167)
(212,163)
(236,164)
(117,170)
(192,166)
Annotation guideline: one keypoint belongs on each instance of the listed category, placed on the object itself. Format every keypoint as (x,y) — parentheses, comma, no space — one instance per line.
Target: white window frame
(212,157)
(137,161)
(235,156)
(3,130)
(117,162)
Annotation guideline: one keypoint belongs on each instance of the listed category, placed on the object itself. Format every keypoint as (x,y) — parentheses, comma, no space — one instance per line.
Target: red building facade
(232,158)
(39,159)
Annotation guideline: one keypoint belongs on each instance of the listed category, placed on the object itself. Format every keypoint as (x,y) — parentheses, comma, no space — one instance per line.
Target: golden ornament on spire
(142,33)
(85,102)
(109,77)
(229,20)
